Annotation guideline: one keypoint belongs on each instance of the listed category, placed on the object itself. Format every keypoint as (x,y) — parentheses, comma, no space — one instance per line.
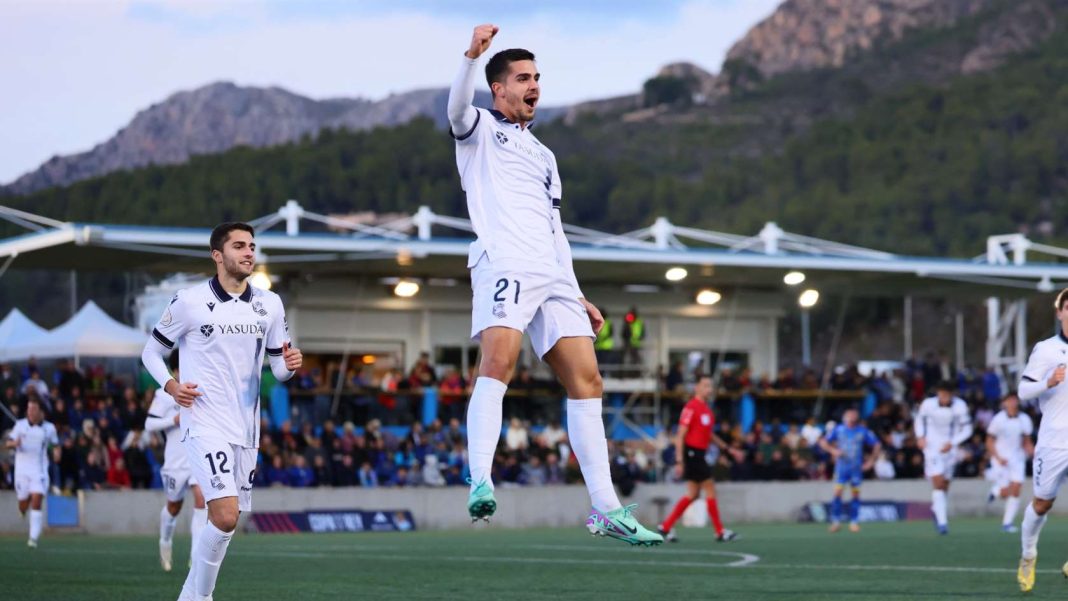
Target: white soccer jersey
(164,408)
(1009,433)
(221,343)
(1053,402)
(31,456)
(940,425)
(512,183)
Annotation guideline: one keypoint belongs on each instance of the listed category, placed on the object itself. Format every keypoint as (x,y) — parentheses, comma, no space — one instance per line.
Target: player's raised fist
(1057,377)
(480,40)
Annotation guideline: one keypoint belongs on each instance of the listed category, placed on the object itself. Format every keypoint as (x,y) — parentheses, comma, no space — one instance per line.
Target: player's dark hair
(1061,299)
(946,385)
(172,361)
(221,233)
(497,67)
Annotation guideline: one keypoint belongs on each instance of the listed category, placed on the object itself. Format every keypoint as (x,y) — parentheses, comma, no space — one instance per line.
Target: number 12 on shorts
(502,287)
(221,456)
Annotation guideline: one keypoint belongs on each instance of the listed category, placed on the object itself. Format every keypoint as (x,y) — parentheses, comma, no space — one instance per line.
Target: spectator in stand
(300,475)
(450,394)
(136,460)
(345,472)
(35,384)
(68,377)
(118,477)
(422,374)
(810,432)
(534,473)
(516,437)
(277,475)
(992,387)
(553,435)
(367,476)
(675,378)
(321,471)
(8,379)
(93,476)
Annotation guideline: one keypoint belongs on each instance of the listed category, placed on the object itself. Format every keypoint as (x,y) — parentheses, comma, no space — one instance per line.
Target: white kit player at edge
(942,424)
(1008,442)
(31,438)
(522,279)
(222,329)
(163,417)
(1043,379)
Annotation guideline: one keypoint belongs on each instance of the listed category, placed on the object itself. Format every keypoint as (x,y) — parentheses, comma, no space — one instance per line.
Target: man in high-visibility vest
(605,343)
(633,334)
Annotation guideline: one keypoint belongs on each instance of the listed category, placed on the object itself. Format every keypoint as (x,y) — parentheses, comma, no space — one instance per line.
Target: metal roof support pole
(423,220)
(770,236)
(1006,342)
(292,213)
(662,231)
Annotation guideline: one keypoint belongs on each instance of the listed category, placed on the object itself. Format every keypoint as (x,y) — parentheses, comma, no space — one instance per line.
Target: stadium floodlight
(260,279)
(708,297)
(793,278)
(808,298)
(676,274)
(406,288)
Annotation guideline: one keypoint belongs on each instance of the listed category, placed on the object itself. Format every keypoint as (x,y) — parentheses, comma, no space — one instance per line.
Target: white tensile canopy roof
(17,330)
(89,333)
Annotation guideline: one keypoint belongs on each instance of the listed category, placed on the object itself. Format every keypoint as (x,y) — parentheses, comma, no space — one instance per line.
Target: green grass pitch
(772,562)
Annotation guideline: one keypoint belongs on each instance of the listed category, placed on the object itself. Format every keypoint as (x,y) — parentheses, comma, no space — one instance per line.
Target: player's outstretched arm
(462,115)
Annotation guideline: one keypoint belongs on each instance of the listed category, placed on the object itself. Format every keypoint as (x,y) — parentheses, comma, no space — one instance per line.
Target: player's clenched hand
(1057,377)
(293,357)
(678,470)
(596,319)
(1003,461)
(946,447)
(480,40)
(184,394)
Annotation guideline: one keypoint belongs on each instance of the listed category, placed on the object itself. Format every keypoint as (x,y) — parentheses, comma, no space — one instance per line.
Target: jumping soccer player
(522,279)
(222,328)
(1043,379)
(1008,441)
(31,438)
(695,434)
(164,417)
(846,444)
(942,424)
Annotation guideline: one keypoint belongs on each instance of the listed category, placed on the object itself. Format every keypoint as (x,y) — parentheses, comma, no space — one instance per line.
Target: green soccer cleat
(481,503)
(621,524)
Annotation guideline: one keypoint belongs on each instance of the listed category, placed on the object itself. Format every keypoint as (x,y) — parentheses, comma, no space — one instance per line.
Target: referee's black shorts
(694,466)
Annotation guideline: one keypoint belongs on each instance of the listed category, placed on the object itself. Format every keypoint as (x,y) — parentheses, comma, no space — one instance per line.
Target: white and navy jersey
(31,456)
(162,411)
(221,344)
(512,185)
(1009,432)
(1045,358)
(941,424)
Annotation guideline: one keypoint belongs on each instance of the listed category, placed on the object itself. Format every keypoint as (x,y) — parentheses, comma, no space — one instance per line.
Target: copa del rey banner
(333,520)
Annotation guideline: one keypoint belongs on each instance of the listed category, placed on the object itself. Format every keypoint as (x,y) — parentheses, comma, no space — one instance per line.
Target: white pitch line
(744,559)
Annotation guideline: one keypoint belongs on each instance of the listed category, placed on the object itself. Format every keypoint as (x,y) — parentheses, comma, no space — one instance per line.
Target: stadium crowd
(373,439)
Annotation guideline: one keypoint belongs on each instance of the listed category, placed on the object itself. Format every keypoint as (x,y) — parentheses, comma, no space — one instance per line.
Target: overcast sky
(75,71)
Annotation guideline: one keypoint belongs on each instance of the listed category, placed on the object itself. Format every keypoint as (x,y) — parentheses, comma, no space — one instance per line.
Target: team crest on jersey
(217,483)
(257,307)
(206,330)
(498,311)
(503,139)
(167,318)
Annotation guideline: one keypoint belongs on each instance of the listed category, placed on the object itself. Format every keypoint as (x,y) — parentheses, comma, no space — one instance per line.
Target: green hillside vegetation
(925,169)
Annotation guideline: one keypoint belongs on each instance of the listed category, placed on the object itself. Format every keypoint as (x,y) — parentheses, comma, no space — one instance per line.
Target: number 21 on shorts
(502,289)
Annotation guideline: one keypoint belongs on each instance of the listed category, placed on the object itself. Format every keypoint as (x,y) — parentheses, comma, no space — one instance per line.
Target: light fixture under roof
(260,279)
(708,297)
(676,274)
(808,298)
(793,278)
(406,288)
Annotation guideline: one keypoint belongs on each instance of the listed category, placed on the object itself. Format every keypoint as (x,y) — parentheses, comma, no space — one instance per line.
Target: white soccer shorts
(534,299)
(1015,472)
(936,463)
(222,469)
(1050,469)
(31,485)
(176,483)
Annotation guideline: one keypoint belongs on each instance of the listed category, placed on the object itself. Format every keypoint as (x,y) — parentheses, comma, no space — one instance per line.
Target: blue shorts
(848,474)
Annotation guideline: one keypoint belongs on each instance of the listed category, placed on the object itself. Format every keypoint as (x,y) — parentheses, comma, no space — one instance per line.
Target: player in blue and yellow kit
(846,443)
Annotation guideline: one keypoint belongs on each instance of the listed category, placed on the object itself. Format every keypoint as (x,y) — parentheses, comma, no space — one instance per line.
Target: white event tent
(17,330)
(89,333)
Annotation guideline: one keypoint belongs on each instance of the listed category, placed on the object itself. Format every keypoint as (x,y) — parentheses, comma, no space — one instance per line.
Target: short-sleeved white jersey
(512,184)
(939,425)
(165,407)
(31,456)
(1009,432)
(221,344)
(1053,402)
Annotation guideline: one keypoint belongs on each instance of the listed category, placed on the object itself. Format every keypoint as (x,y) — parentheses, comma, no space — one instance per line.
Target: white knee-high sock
(1029,531)
(938,506)
(36,516)
(1012,505)
(585,430)
(200,517)
(211,549)
(484,418)
(166,526)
